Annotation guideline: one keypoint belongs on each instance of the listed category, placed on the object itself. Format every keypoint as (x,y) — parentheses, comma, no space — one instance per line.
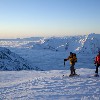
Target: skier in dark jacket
(97,63)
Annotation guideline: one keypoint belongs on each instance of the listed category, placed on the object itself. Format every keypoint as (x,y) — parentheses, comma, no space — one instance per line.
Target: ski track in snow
(48,85)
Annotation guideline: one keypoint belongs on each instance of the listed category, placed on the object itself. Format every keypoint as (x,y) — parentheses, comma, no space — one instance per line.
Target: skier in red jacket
(97,62)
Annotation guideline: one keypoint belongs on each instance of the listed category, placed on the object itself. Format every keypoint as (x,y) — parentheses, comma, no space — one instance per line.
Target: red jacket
(97,59)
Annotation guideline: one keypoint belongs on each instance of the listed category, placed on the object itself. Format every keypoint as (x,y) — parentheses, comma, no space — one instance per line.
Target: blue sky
(28,18)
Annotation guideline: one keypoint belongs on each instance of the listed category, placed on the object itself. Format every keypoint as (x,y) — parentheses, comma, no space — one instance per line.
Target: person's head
(71,53)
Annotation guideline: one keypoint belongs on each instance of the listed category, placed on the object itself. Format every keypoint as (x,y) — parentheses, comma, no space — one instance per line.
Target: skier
(73,59)
(97,63)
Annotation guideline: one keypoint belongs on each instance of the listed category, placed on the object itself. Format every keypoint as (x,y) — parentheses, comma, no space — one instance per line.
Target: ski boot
(96,75)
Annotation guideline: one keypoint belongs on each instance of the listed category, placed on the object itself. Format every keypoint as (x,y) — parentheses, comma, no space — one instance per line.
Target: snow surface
(49,85)
(48,54)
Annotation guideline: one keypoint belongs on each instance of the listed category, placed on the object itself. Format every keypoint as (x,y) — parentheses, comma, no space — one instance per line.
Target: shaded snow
(12,61)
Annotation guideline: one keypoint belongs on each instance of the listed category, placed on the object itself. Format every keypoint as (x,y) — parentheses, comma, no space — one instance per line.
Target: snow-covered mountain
(19,42)
(12,61)
(48,53)
(81,44)
(91,44)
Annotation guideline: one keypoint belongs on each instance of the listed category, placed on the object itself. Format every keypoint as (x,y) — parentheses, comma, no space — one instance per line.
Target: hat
(71,53)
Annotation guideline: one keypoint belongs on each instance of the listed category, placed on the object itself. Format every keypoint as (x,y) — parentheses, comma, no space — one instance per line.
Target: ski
(93,76)
(70,76)
(74,75)
(96,75)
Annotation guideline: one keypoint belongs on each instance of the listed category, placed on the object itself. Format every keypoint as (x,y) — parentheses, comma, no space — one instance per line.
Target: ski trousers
(97,66)
(72,69)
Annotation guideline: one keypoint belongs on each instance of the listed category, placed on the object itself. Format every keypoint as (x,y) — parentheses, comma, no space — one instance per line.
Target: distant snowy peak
(19,43)
(91,44)
(23,39)
(81,44)
(93,35)
(12,61)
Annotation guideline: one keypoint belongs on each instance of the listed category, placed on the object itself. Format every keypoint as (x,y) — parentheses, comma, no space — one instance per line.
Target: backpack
(98,59)
(74,54)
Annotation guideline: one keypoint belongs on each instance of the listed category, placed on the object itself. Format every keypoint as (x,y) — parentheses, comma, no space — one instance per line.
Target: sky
(33,18)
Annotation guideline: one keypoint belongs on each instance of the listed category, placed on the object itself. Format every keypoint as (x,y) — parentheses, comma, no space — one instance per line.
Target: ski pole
(64,63)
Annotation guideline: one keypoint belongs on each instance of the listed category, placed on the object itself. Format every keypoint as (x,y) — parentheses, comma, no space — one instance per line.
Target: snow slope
(48,54)
(11,61)
(49,85)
